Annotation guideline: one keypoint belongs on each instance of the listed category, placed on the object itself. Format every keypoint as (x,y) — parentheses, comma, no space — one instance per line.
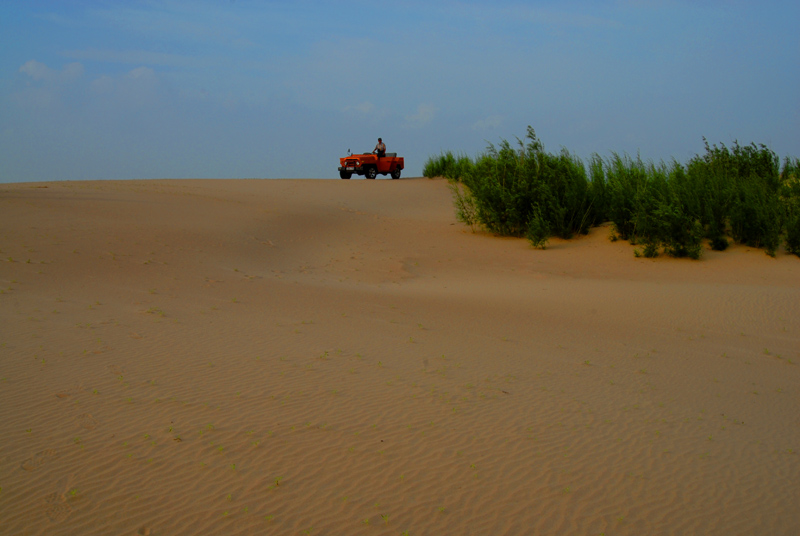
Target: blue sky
(244,88)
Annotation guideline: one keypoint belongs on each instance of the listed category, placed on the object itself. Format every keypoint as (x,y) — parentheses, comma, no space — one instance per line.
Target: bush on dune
(790,203)
(739,189)
(523,190)
(447,165)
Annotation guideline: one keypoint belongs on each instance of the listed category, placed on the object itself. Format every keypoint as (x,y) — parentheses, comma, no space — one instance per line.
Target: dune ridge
(343,357)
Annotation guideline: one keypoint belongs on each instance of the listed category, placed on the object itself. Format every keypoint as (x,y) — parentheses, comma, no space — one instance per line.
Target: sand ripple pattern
(327,357)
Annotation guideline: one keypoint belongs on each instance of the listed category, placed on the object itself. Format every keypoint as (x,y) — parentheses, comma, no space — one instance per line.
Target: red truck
(370,165)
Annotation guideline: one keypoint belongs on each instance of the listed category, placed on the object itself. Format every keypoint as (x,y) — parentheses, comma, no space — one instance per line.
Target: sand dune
(343,357)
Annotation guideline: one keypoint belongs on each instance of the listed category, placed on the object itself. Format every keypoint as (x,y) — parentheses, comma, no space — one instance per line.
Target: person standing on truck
(380,149)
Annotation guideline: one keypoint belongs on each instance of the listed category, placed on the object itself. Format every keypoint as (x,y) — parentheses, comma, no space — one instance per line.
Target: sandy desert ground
(333,357)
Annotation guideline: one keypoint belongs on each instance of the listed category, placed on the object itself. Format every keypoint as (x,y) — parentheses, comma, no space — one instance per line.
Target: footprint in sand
(57,508)
(87,421)
(39,459)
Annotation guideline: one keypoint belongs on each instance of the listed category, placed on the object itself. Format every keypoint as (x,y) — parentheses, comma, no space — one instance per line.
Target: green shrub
(739,193)
(680,233)
(627,195)
(435,166)
(726,191)
(526,191)
(447,165)
(466,211)
(709,182)
(648,204)
(597,193)
(522,190)
(790,203)
(793,235)
(538,231)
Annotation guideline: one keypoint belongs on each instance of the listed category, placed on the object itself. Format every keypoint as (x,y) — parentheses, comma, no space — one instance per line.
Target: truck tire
(396,173)
(345,174)
(371,172)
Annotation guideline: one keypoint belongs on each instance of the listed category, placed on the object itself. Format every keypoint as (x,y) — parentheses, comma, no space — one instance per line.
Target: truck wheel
(371,172)
(345,174)
(396,173)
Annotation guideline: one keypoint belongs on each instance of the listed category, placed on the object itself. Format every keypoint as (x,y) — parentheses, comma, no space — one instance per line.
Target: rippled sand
(343,357)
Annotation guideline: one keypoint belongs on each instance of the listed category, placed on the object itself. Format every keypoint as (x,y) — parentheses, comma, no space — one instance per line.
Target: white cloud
(35,98)
(103,84)
(135,57)
(38,71)
(42,73)
(137,87)
(45,86)
(424,115)
(71,71)
(141,73)
(491,122)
